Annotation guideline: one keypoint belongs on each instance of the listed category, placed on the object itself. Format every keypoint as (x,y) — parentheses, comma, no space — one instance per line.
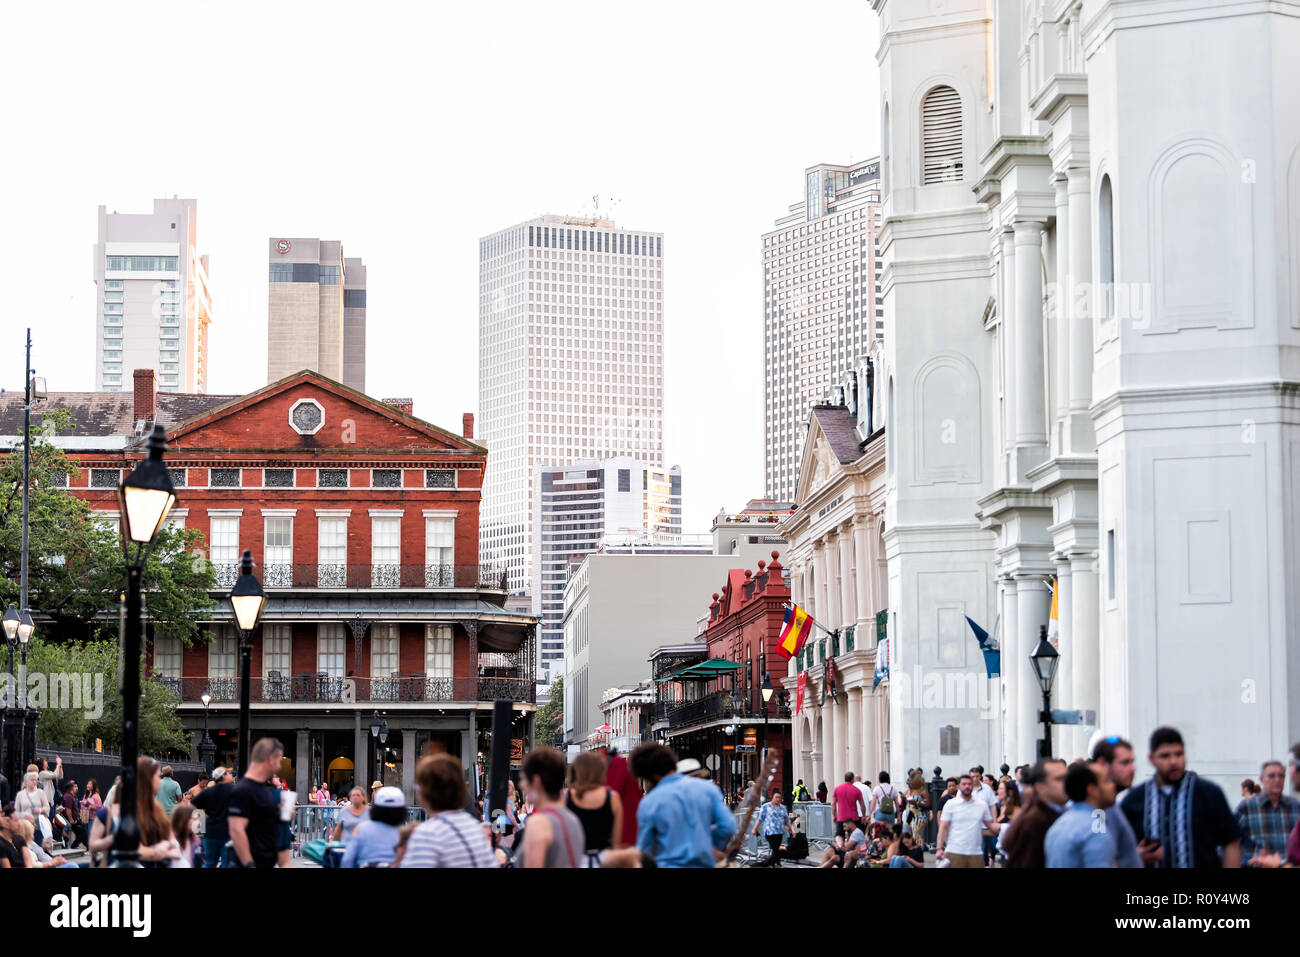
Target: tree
(550,716)
(77,693)
(76,566)
(76,575)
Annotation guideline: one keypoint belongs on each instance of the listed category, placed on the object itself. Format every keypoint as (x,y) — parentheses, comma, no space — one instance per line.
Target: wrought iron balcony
(368,576)
(307,688)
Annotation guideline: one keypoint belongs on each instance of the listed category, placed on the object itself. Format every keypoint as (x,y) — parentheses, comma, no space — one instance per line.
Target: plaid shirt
(773,819)
(1265,828)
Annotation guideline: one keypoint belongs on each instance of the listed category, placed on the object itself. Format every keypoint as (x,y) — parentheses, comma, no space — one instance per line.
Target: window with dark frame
(386,478)
(225,478)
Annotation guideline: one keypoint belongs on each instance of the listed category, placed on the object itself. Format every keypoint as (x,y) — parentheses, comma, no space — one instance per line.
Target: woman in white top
(31,804)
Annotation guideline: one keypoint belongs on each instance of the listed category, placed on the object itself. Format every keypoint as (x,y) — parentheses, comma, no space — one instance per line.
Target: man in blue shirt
(682,820)
(1080,837)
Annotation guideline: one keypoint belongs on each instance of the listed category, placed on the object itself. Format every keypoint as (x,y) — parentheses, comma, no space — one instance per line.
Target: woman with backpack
(884,801)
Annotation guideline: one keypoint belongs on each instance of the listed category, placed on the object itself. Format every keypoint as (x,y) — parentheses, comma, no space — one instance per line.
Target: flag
(798,624)
(992,657)
(1054,617)
(798,697)
(882,664)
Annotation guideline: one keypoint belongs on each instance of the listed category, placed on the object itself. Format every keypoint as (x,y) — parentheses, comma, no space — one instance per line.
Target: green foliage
(77,569)
(76,575)
(550,716)
(100,712)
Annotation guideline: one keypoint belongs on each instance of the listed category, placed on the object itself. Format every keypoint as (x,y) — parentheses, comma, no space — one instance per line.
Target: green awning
(701,670)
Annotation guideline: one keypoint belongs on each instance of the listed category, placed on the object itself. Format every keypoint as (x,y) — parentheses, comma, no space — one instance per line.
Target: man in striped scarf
(1179,819)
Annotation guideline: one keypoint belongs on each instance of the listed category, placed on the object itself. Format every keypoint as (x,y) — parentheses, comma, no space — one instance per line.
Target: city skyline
(393,193)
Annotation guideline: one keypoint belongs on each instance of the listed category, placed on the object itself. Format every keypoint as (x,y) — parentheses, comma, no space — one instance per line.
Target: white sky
(409,130)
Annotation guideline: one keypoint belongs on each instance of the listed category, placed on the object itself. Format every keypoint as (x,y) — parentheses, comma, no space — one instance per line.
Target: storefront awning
(701,670)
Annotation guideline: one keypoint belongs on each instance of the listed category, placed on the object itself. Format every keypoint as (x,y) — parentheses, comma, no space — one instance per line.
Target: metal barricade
(818,820)
(313,822)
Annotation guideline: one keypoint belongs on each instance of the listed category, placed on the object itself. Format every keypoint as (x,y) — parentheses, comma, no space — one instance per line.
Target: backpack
(887,805)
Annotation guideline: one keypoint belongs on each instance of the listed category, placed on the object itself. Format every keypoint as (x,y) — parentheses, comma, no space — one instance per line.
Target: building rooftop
(105,413)
(840,427)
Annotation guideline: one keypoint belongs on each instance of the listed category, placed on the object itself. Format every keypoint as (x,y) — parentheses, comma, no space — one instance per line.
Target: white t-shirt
(880,790)
(966,822)
(986,794)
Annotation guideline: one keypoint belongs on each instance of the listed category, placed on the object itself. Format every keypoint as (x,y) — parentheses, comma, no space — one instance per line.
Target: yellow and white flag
(1054,617)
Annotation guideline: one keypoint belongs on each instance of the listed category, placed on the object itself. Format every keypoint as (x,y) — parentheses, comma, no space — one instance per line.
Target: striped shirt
(449,839)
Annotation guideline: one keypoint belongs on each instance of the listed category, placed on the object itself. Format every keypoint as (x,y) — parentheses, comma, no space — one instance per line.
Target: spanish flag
(798,623)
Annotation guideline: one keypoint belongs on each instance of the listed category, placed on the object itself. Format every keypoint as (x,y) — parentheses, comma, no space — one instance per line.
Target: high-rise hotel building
(821,305)
(571,366)
(316,312)
(154,301)
(575,508)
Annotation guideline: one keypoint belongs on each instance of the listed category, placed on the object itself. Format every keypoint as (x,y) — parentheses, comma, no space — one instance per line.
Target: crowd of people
(651,810)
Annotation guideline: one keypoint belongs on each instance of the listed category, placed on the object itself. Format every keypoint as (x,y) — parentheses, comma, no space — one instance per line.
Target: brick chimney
(144,403)
(402,405)
(467,425)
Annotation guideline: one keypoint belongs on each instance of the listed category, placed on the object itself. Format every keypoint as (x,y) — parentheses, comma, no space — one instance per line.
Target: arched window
(1105,247)
(941,141)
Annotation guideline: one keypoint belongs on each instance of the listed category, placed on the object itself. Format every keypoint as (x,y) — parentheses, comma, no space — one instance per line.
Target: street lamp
(246,600)
(11,633)
(144,499)
(1045,659)
(379,732)
(767,696)
(207,748)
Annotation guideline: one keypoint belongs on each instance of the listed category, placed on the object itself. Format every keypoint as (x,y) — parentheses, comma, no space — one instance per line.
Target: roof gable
(346,421)
(831,443)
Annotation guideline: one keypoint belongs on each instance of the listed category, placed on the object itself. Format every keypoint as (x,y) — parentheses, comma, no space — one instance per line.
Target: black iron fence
(718,704)
(309,688)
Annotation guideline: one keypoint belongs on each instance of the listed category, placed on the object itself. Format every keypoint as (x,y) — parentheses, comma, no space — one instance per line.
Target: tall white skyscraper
(571,366)
(820,304)
(575,508)
(154,302)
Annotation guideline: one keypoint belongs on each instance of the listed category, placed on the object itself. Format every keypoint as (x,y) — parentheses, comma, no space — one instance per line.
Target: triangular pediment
(818,464)
(307,410)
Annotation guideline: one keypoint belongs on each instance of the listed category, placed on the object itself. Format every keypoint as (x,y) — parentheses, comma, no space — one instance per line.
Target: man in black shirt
(253,812)
(1180,820)
(214,800)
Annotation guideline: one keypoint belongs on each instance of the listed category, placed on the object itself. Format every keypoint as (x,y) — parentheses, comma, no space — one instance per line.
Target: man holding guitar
(682,820)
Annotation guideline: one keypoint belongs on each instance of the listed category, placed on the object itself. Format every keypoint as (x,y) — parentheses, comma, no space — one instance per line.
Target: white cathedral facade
(1091,371)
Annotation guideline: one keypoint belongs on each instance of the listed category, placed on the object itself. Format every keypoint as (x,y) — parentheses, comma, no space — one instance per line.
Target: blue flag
(992,657)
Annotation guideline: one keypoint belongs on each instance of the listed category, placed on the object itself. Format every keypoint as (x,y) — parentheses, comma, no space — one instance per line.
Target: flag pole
(816,623)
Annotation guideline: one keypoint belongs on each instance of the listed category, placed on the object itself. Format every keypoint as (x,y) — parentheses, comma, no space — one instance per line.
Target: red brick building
(363,522)
(712,695)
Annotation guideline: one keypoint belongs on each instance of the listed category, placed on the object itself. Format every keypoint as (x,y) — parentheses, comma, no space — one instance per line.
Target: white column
(829,742)
(1007,308)
(832,578)
(864,566)
(1061,330)
(818,609)
(870,733)
(1011,675)
(1031,427)
(1034,604)
(817,745)
(1085,642)
(857,760)
(842,734)
(1063,690)
(848,576)
(1082,439)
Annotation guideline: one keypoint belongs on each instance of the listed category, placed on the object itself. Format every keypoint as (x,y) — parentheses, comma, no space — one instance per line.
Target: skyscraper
(820,304)
(316,311)
(570,365)
(154,302)
(575,507)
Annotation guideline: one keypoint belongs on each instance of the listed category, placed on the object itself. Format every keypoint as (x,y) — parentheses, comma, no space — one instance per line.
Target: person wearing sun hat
(374,840)
(374,786)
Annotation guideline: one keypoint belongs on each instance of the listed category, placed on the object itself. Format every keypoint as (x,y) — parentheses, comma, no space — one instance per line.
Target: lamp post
(11,763)
(379,734)
(247,601)
(207,749)
(144,499)
(767,696)
(1045,659)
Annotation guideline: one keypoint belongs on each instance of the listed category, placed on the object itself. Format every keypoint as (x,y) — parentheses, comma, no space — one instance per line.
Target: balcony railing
(719,704)
(275,575)
(306,688)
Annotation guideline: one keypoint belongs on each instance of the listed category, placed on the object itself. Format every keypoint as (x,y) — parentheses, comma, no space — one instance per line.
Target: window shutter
(941,136)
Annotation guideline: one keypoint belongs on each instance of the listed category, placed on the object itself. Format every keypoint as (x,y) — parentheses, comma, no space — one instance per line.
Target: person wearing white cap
(374,840)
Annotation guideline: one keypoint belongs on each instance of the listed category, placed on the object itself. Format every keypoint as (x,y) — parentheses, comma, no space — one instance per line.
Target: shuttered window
(941,136)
